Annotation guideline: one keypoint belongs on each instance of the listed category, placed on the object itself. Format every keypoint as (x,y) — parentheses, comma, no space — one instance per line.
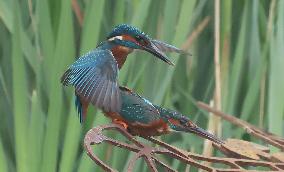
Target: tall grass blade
(92,25)
(237,64)
(64,55)
(6,14)
(20,95)
(119,12)
(3,160)
(35,134)
(276,92)
(256,66)
(71,142)
(47,41)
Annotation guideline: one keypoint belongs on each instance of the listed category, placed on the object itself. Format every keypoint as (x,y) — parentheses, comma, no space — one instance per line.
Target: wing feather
(113,95)
(90,83)
(91,86)
(94,76)
(107,95)
(98,87)
(101,96)
(87,83)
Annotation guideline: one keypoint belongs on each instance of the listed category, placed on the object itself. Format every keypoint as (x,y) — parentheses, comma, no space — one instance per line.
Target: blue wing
(94,76)
(164,47)
(136,109)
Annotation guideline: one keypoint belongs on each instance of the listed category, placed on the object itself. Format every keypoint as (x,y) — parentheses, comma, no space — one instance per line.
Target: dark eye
(140,40)
(183,121)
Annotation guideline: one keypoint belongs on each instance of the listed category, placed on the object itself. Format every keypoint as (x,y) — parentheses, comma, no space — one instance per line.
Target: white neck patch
(115,37)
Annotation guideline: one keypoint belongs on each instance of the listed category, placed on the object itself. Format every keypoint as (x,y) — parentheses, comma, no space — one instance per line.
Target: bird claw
(121,123)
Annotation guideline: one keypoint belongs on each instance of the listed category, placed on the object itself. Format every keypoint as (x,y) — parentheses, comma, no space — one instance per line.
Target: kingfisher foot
(119,122)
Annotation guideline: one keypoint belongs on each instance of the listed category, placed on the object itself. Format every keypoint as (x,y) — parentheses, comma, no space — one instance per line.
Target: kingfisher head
(132,38)
(178,122)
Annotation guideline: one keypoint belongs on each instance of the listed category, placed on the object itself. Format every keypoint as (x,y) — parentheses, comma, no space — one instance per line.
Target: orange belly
(154,128)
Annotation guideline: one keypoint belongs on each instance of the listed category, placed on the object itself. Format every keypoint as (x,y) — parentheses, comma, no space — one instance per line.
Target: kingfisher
(95,74)
(95,78)
(141,117)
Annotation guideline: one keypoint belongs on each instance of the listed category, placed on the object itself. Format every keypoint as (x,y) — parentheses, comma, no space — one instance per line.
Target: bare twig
(263,79)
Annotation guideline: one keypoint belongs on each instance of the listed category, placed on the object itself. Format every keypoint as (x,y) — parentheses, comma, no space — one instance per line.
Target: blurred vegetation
(39,129)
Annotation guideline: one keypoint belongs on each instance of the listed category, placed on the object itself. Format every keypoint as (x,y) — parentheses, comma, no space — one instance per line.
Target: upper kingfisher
(95,78)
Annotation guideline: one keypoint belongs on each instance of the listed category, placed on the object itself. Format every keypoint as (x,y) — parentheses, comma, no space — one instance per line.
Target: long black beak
(203,133)
(152,48)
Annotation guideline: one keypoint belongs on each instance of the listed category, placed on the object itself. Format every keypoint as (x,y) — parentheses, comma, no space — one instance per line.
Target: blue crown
(126,29)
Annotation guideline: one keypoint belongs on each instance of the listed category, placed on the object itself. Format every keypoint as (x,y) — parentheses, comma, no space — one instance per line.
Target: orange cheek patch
(128,38)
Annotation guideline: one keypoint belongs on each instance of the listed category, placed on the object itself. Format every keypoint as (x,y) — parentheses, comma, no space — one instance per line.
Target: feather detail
(93,76)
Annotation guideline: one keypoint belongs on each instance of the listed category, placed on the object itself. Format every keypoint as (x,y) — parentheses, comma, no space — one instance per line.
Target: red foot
(119,122)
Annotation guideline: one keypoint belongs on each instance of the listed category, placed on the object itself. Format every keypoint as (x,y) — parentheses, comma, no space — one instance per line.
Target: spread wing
(94,76)
(164,47)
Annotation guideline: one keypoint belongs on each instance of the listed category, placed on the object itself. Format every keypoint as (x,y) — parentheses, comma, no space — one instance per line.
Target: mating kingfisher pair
(95,78)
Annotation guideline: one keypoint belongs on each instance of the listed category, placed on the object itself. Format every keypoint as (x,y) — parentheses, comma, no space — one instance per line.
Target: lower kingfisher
(140,117)
(95,78)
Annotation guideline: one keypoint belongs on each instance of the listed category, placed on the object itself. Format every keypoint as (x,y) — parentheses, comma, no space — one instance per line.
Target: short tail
(81,107)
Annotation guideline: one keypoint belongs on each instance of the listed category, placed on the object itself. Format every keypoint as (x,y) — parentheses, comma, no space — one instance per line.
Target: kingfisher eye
(140,40)
(183,121)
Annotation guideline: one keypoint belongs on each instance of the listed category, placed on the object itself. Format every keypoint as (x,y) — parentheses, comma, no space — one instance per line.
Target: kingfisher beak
(153,49)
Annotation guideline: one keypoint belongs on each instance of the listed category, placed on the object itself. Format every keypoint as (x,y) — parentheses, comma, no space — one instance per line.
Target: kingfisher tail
(81,107)
(179,122)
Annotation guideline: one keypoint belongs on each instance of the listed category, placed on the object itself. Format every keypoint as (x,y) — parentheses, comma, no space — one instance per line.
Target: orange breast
(120,54)
(155,128)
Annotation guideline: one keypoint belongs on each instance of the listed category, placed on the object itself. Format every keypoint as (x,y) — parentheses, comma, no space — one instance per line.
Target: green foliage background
(39,129)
